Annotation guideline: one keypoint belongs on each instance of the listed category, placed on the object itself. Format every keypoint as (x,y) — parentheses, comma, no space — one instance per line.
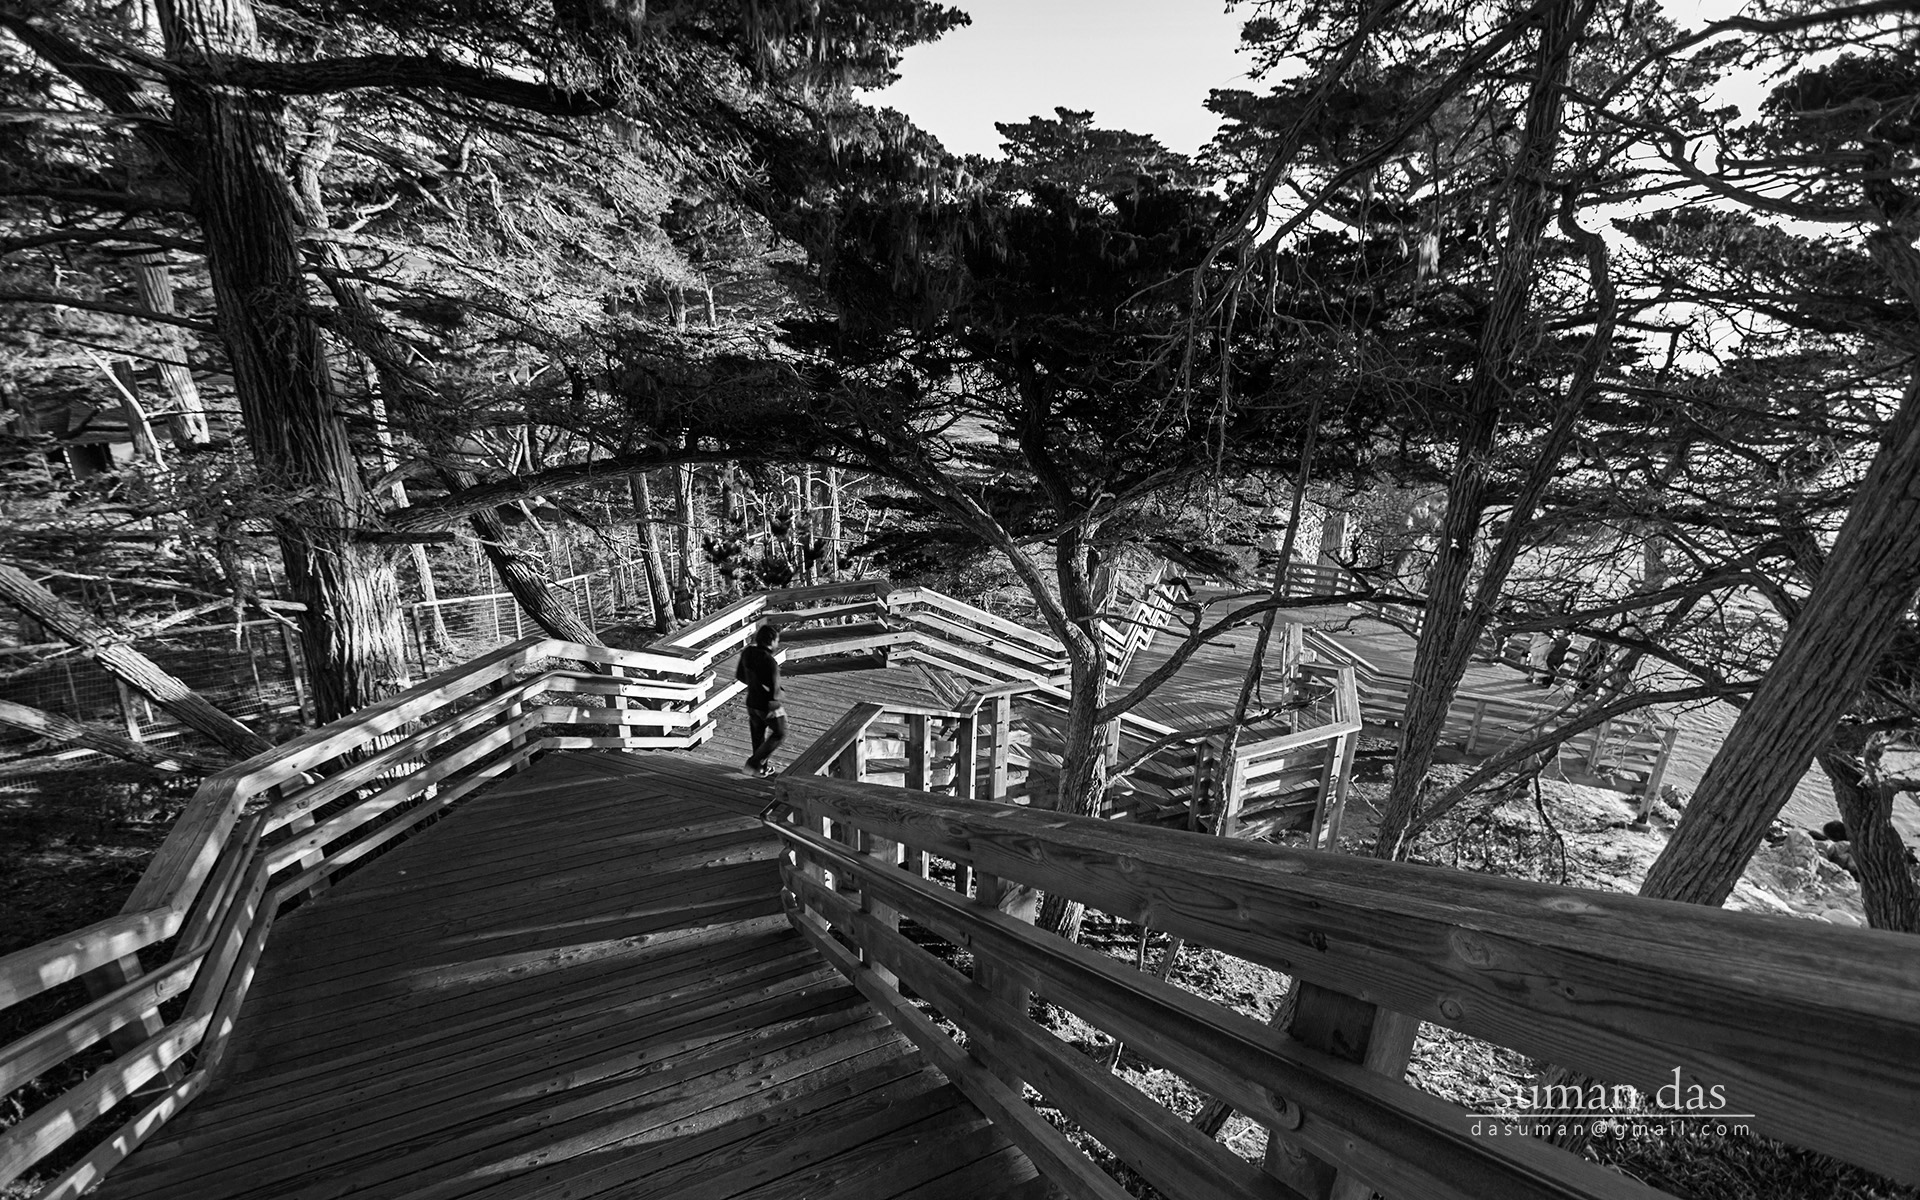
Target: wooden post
(514,712)
(1003,991)
(851,765)
(1599,744)
(966,758)
(886,852)
(919,773)
(919,752)
(1000,749)
(1659,772)
(109,978)
(311,858)
(1378,1039)
(1233,777)
(1473,731)
(1343,774)
(808,817)
(127,718)
(1322,800)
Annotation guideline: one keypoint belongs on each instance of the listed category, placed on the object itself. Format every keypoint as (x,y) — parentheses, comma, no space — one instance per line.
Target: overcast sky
(1143,65)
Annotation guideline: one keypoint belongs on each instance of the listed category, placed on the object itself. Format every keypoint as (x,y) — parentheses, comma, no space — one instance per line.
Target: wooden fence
(265,834)
(1643,992)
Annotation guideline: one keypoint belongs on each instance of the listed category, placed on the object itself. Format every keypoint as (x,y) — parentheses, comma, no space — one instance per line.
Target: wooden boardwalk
(816,699)
(579,984)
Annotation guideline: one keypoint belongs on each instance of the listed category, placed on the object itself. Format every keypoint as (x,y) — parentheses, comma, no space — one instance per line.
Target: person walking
(1557,652)
(759,669)
(1537,647)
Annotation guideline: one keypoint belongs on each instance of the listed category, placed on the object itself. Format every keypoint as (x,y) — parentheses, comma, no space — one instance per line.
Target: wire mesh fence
(249,669)
(452,629)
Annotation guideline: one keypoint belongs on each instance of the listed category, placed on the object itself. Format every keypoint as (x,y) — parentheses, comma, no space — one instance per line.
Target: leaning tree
(219,93)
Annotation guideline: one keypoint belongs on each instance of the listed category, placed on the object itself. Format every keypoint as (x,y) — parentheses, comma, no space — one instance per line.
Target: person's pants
(768,728)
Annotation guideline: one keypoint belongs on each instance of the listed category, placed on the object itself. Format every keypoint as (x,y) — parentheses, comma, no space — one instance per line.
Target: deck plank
(579,984)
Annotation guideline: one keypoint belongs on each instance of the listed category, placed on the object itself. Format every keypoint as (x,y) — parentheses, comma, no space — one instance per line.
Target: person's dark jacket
(760,671)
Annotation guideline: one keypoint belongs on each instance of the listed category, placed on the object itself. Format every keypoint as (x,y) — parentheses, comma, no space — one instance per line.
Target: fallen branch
(57,728)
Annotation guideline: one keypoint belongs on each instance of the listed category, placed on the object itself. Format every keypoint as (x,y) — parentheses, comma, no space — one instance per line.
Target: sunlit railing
(1810,1033)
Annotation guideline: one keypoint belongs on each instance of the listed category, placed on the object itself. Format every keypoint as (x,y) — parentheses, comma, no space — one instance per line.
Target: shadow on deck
(581,983)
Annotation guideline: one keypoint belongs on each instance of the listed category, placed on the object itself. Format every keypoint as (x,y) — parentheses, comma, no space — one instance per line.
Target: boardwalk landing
(579,984)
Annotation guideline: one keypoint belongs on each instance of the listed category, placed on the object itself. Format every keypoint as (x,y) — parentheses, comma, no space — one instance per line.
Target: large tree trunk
(109,648)
(529,586)
(1449,631)
(659,590)
(1084,765)
(1830,647)
(1887,886)
(235,155)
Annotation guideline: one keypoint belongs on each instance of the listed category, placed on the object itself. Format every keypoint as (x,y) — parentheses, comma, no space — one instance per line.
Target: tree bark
(1830,647)
(129,666)
(234,165)
(684,535)
(833,523)
(44,724)
(1887,887)
(187,412)
(1449,631)
(659,589)
(1084,765)
(531,590)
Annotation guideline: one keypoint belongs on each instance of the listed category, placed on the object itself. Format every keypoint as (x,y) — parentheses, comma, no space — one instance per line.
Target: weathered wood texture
(1630,990)
(581,984)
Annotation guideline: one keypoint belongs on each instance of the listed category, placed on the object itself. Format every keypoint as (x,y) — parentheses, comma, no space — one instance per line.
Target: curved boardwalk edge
(582,984)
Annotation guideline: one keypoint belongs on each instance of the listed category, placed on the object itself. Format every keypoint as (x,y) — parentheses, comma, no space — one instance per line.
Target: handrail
(1624,988)
(272,830)
(1646,748)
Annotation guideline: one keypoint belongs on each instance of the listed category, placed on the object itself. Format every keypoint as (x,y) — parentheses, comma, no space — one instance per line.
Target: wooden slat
(1058,1158)
(1625,988)
(45,1129)
(49,964)
(401,792)
(85,1174)
(532,948)
(1400,1139)
(1171,1154)
(51,1044)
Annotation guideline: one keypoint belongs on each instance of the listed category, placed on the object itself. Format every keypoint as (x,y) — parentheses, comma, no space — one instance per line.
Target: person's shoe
(767,771)
(752,768)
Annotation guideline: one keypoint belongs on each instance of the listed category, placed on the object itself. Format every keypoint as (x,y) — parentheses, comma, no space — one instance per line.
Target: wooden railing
(269,832)
(1149,611)
(1629,753)
(1811,1032)
(907,624)
(1282,782)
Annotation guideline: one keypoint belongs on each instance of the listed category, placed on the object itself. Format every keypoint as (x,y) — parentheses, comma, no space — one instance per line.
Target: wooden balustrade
(1810,1030)
(1632,750)
(1151,610)
(268,833)
(1298,779)
(272,831)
